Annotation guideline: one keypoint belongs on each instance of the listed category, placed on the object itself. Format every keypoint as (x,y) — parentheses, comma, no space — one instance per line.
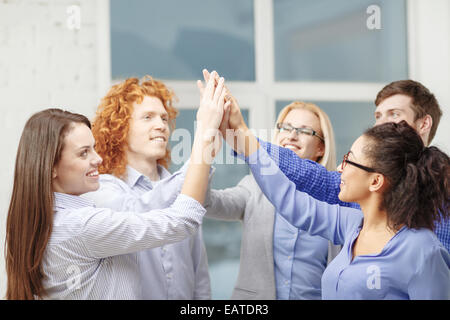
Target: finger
(209,91)
(222,99)
(226,117)
(206,75)
(218,92)
(200,87)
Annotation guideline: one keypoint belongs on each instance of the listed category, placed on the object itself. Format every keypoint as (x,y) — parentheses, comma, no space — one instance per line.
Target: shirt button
(169,276)
(286,282)
(289,257)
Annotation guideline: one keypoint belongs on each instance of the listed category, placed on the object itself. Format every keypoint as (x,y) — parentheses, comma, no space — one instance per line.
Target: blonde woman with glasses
(279,261)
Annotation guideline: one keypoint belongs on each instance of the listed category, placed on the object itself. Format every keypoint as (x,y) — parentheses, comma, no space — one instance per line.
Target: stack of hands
(219,117)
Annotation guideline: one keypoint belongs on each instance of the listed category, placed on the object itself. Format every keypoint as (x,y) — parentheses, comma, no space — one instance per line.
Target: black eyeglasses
(307,131)
(345,161)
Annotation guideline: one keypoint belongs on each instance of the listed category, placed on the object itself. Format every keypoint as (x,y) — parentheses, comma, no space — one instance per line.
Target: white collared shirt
(91,253)
(173,271)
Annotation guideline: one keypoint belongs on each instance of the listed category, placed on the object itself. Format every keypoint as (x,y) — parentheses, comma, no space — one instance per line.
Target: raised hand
(212,101)
(235,120)
(233,127)
(210,114)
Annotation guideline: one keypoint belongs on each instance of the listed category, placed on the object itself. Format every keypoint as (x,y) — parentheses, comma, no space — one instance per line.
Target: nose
(160,124)
(293,135)
(97,159)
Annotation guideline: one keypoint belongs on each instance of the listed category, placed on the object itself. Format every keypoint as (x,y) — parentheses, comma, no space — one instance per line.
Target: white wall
(429,56)
(45,64)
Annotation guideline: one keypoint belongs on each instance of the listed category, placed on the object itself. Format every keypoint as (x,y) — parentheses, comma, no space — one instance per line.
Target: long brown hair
(30,214)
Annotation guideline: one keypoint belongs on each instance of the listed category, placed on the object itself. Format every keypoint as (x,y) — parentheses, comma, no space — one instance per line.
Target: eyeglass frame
(345,161)
(308,131)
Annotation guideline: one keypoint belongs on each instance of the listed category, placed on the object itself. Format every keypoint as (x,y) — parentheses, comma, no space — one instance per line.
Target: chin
(342,197)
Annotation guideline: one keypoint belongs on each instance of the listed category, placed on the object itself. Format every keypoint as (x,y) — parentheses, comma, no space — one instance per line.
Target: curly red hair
(112,121)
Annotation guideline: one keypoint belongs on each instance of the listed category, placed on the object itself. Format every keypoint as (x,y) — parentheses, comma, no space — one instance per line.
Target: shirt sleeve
(202,287)
(228,204)
(308,176)
(332,222)
(108,233)
(432,280)
(114,194)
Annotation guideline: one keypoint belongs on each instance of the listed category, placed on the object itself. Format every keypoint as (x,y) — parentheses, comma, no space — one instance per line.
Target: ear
(320,150)
(54,175)
(424,124)
(377,183)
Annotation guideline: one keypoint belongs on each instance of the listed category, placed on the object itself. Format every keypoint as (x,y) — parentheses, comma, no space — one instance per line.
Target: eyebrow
(153,113)
(86,147)
(391,109)
(302,126)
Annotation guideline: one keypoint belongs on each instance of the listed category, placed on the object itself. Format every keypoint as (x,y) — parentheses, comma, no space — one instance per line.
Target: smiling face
(76,171)
(305,146)
(356,183)
(149,131)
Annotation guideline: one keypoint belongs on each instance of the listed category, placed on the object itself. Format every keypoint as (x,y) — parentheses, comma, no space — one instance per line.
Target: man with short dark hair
(409,100)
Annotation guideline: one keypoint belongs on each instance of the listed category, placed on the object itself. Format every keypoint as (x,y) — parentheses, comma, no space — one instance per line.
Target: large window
(271,52)
(329,41)
(175,39)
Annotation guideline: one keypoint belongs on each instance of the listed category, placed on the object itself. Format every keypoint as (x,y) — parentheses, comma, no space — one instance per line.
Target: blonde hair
(328,160)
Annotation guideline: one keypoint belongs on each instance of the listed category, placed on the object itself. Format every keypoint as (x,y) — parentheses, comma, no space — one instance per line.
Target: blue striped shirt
(91,253)
(174,271)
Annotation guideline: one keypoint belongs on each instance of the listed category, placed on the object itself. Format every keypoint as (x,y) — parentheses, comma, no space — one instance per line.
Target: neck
(425,140)
(148,167)
(375,220)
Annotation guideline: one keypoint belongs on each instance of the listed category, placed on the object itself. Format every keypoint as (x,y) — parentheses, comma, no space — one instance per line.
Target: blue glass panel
(328,40)
(174,39)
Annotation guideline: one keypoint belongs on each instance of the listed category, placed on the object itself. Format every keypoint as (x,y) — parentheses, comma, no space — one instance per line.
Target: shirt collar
(68,201)
(133,176)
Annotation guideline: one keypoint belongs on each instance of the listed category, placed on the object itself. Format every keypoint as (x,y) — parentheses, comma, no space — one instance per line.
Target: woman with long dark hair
(389,250)
(58,245)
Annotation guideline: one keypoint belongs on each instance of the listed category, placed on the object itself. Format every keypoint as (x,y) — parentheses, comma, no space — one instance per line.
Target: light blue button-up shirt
(412,265)
(299,261)
(174,271)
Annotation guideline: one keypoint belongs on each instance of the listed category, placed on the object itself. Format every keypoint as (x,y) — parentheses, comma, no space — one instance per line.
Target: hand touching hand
(212,103)
(235,120)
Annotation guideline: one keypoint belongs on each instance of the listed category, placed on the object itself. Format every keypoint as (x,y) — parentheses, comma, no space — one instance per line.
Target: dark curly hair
(418,177)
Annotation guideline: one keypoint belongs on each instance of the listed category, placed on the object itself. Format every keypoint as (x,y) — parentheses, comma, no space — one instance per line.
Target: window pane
(222,238)
(349,120)
(175,39)
(328,40)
